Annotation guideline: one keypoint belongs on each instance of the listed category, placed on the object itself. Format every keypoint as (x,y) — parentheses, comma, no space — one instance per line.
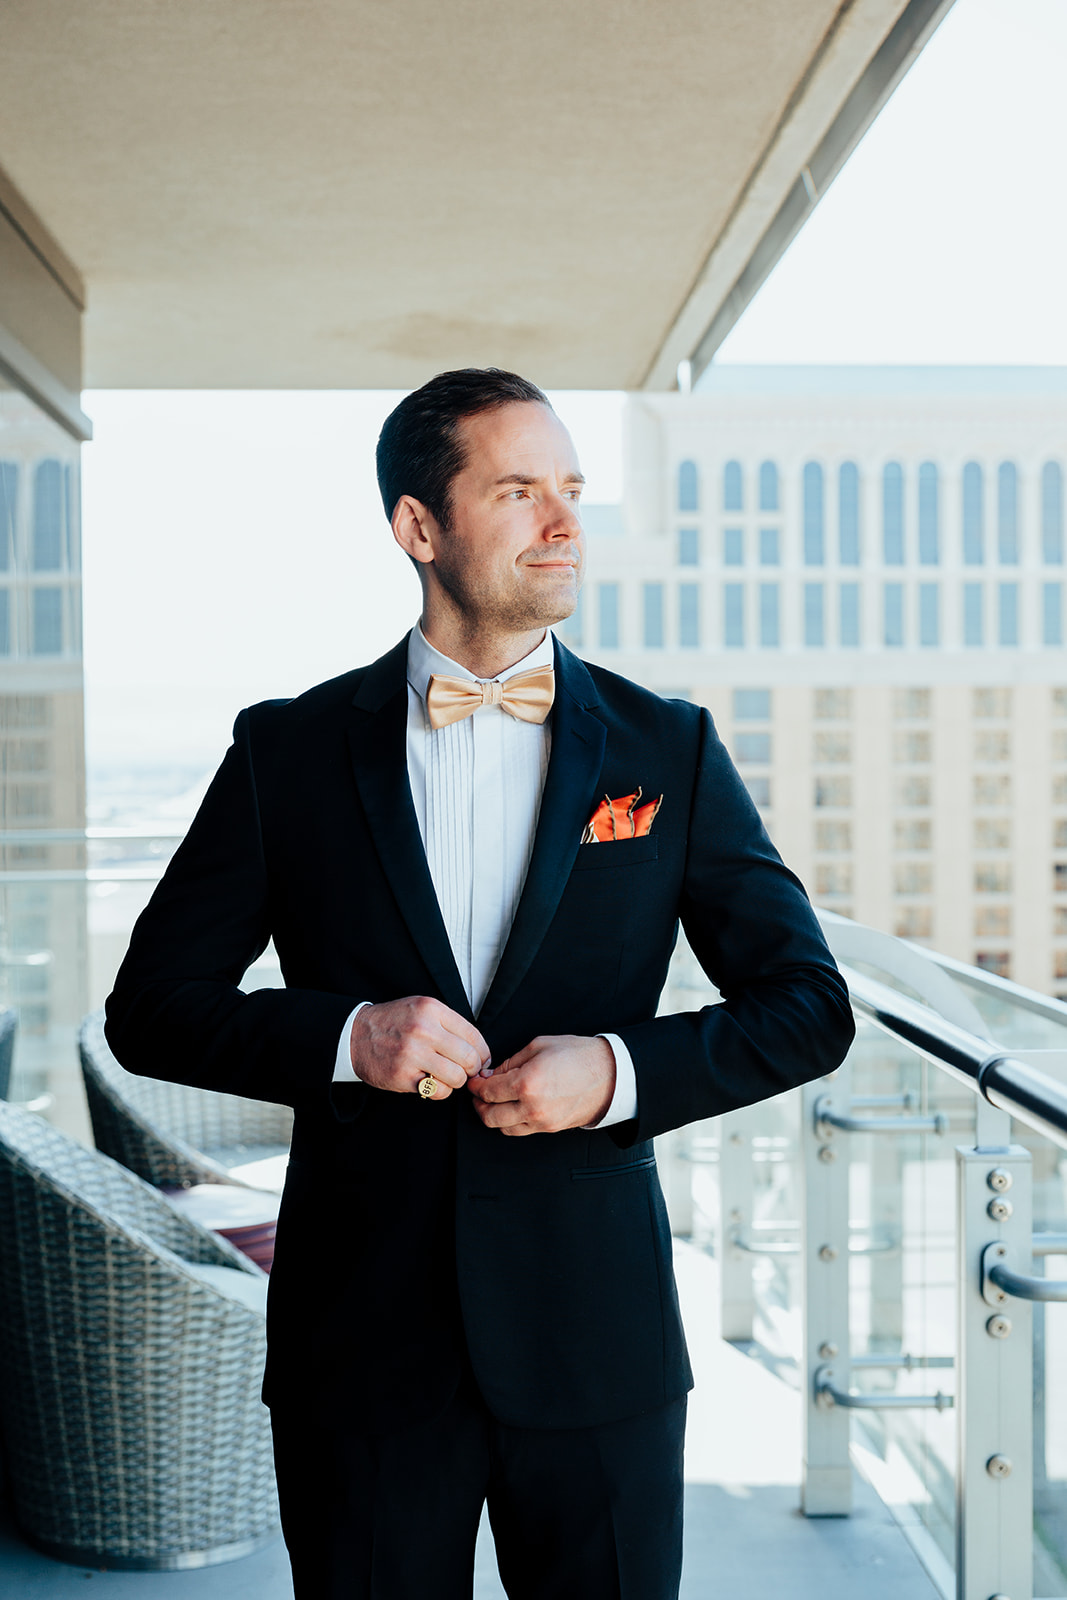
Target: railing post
(994,1402)
(737,1304)
(826,1489)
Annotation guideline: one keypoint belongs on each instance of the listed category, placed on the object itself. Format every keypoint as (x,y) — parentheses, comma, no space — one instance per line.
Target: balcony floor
(744,1534)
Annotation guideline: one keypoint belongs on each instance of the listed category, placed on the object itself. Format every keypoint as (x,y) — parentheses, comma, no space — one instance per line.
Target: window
(653,608)
(48,520)
(1008,514)
(768,615)
(1059,921)
(833,705)
(849,618)
(689,616)
(608,598)
(768,486)
(733,547)
(992,744)
(914,922)
(752,705)
(893,514)
(1059,834)
(570,628)
(992,877)
(833,877)
(1008,613)
(913,791)
(911,705)
(1052,513)
(992,833)
(833,792)
(768,547)
(992,789)
(5,622)
(832,748)
(733,619)
(992,922)
(972,614)
(893,615)
(813,515)
(753,749)
(929,615)
(994,703)
(1059,878)
(995,961)
(9,490)
(848,504)
(1059,791)
(688,547)
(732,487)
(47,622)
(813,615)
(929,520)
(688,486)
(912,749)
(973,552)
(833,838)
(912,835)
(759,791)
(1052,613)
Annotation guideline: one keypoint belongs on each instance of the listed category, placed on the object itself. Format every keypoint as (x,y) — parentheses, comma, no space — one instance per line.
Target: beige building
(861,572)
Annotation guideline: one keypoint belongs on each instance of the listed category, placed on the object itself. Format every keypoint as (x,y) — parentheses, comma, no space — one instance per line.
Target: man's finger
(502,1088)
(504,1116)
(475,1053)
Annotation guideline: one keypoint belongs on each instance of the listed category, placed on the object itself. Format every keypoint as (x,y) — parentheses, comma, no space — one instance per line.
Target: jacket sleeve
(785,1015)
(176,1011)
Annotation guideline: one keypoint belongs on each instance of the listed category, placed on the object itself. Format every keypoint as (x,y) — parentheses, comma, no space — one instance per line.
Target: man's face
(512,556)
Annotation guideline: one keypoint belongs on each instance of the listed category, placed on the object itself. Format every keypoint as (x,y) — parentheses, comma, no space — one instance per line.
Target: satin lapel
(377,739)
(578,739)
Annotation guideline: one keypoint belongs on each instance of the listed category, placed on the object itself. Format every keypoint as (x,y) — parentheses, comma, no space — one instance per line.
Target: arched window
(1052,513)
(768,486)
(9,489)
(848,509)
(929,515)
(48,517)
(813,515)
(973,552)
(893,514)
(732,487)
(1008,513)
(688,486)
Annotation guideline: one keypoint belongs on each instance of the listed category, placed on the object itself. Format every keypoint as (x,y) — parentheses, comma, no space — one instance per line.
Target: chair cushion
(240,1286)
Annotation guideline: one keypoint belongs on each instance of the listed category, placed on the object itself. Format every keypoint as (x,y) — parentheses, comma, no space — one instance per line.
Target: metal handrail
(825,1113)
(828,1394)
(1000,1280)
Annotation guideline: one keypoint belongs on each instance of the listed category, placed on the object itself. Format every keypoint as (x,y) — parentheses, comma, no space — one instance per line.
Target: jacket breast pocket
(617,853)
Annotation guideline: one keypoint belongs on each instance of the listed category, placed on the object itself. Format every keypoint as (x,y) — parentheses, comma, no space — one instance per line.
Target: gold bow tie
(527,696)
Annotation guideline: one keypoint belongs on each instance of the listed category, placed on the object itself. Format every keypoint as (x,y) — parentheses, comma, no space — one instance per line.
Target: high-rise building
(860,571)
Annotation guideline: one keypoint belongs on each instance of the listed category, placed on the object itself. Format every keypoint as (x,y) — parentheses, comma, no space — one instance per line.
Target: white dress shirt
(477,786)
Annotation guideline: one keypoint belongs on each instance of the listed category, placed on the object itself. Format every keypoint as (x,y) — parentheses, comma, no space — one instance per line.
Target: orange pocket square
(620,819)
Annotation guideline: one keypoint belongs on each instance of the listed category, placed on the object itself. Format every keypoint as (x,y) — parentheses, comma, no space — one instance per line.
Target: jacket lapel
(377,738)
(578,739)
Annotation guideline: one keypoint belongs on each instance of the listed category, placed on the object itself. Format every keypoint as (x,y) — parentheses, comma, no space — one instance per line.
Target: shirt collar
(424,661)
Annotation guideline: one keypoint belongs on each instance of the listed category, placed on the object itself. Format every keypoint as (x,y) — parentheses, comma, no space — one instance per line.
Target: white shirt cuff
(623,1105)
(343,1070)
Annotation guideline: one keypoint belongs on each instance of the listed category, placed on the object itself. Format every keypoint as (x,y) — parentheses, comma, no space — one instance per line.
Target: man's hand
(557,1082)
(396,1044)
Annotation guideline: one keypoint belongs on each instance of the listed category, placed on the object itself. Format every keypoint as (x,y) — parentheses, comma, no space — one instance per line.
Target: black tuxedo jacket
(411,1238)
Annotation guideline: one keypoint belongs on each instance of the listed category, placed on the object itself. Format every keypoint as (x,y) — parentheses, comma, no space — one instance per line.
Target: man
(473,857)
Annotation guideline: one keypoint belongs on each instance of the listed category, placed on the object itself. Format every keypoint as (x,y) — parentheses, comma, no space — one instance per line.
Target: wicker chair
(8,1025)
(169,1134)
(132,1345)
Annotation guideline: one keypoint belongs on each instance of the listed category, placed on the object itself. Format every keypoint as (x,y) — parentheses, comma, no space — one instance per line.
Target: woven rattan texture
(167,1132)
(129,1392)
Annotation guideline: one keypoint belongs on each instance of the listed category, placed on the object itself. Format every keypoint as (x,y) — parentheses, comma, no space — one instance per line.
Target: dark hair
(419,448)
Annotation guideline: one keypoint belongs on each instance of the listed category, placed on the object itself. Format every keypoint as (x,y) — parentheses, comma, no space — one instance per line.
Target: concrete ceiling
(357,193)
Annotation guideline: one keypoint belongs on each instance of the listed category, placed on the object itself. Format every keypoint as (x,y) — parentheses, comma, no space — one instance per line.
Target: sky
(234,544)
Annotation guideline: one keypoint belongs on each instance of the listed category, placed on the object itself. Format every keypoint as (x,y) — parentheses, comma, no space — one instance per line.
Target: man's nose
(563,521)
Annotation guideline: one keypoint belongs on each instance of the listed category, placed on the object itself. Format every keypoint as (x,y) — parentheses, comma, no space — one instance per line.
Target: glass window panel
(768,547)
(689,616)
(973,551)
(910,705)
(991,703)
(732,487)
(752,705)
(688,547)
(653,606)
(569,629)
(1008,513)
(47,622)
(733,615)
(832,749)
(608,605)
(1008,613)
(813,515)
(768,615)
(929,615)
(759,789)
(9,492)
(848,489)
(833,791)
(929,515)
(733,547)
(833,705)
(688,486)
(849,601)
(972,614)
(1052,613)
(768,486)
(753,748)
(893,615)
(893,514)
(1052,513)
(5,622)
(48,499)
(814,624)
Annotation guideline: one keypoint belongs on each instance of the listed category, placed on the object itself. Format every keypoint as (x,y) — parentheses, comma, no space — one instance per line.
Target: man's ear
(414,528)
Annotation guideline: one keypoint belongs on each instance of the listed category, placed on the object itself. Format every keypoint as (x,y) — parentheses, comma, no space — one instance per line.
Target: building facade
(860,571)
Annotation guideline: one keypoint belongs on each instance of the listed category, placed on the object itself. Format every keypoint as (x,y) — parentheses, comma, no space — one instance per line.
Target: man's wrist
(623,1104)
(343,1068)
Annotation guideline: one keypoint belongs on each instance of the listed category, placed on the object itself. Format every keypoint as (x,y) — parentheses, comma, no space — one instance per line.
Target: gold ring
(428,1086)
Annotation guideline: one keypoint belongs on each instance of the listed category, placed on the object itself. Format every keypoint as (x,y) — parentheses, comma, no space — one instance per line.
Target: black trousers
(580,1514)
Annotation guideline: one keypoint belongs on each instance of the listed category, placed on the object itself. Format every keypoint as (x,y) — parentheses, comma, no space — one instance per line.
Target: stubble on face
(487,603)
